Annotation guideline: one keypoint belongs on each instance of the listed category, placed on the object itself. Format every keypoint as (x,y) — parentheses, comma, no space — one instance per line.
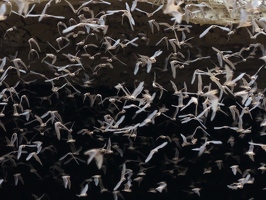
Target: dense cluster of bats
(63,136)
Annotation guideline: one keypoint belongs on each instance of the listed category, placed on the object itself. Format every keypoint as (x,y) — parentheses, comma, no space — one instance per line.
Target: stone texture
(46,30)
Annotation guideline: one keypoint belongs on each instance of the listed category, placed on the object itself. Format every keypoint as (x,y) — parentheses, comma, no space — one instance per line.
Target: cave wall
(47,30)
